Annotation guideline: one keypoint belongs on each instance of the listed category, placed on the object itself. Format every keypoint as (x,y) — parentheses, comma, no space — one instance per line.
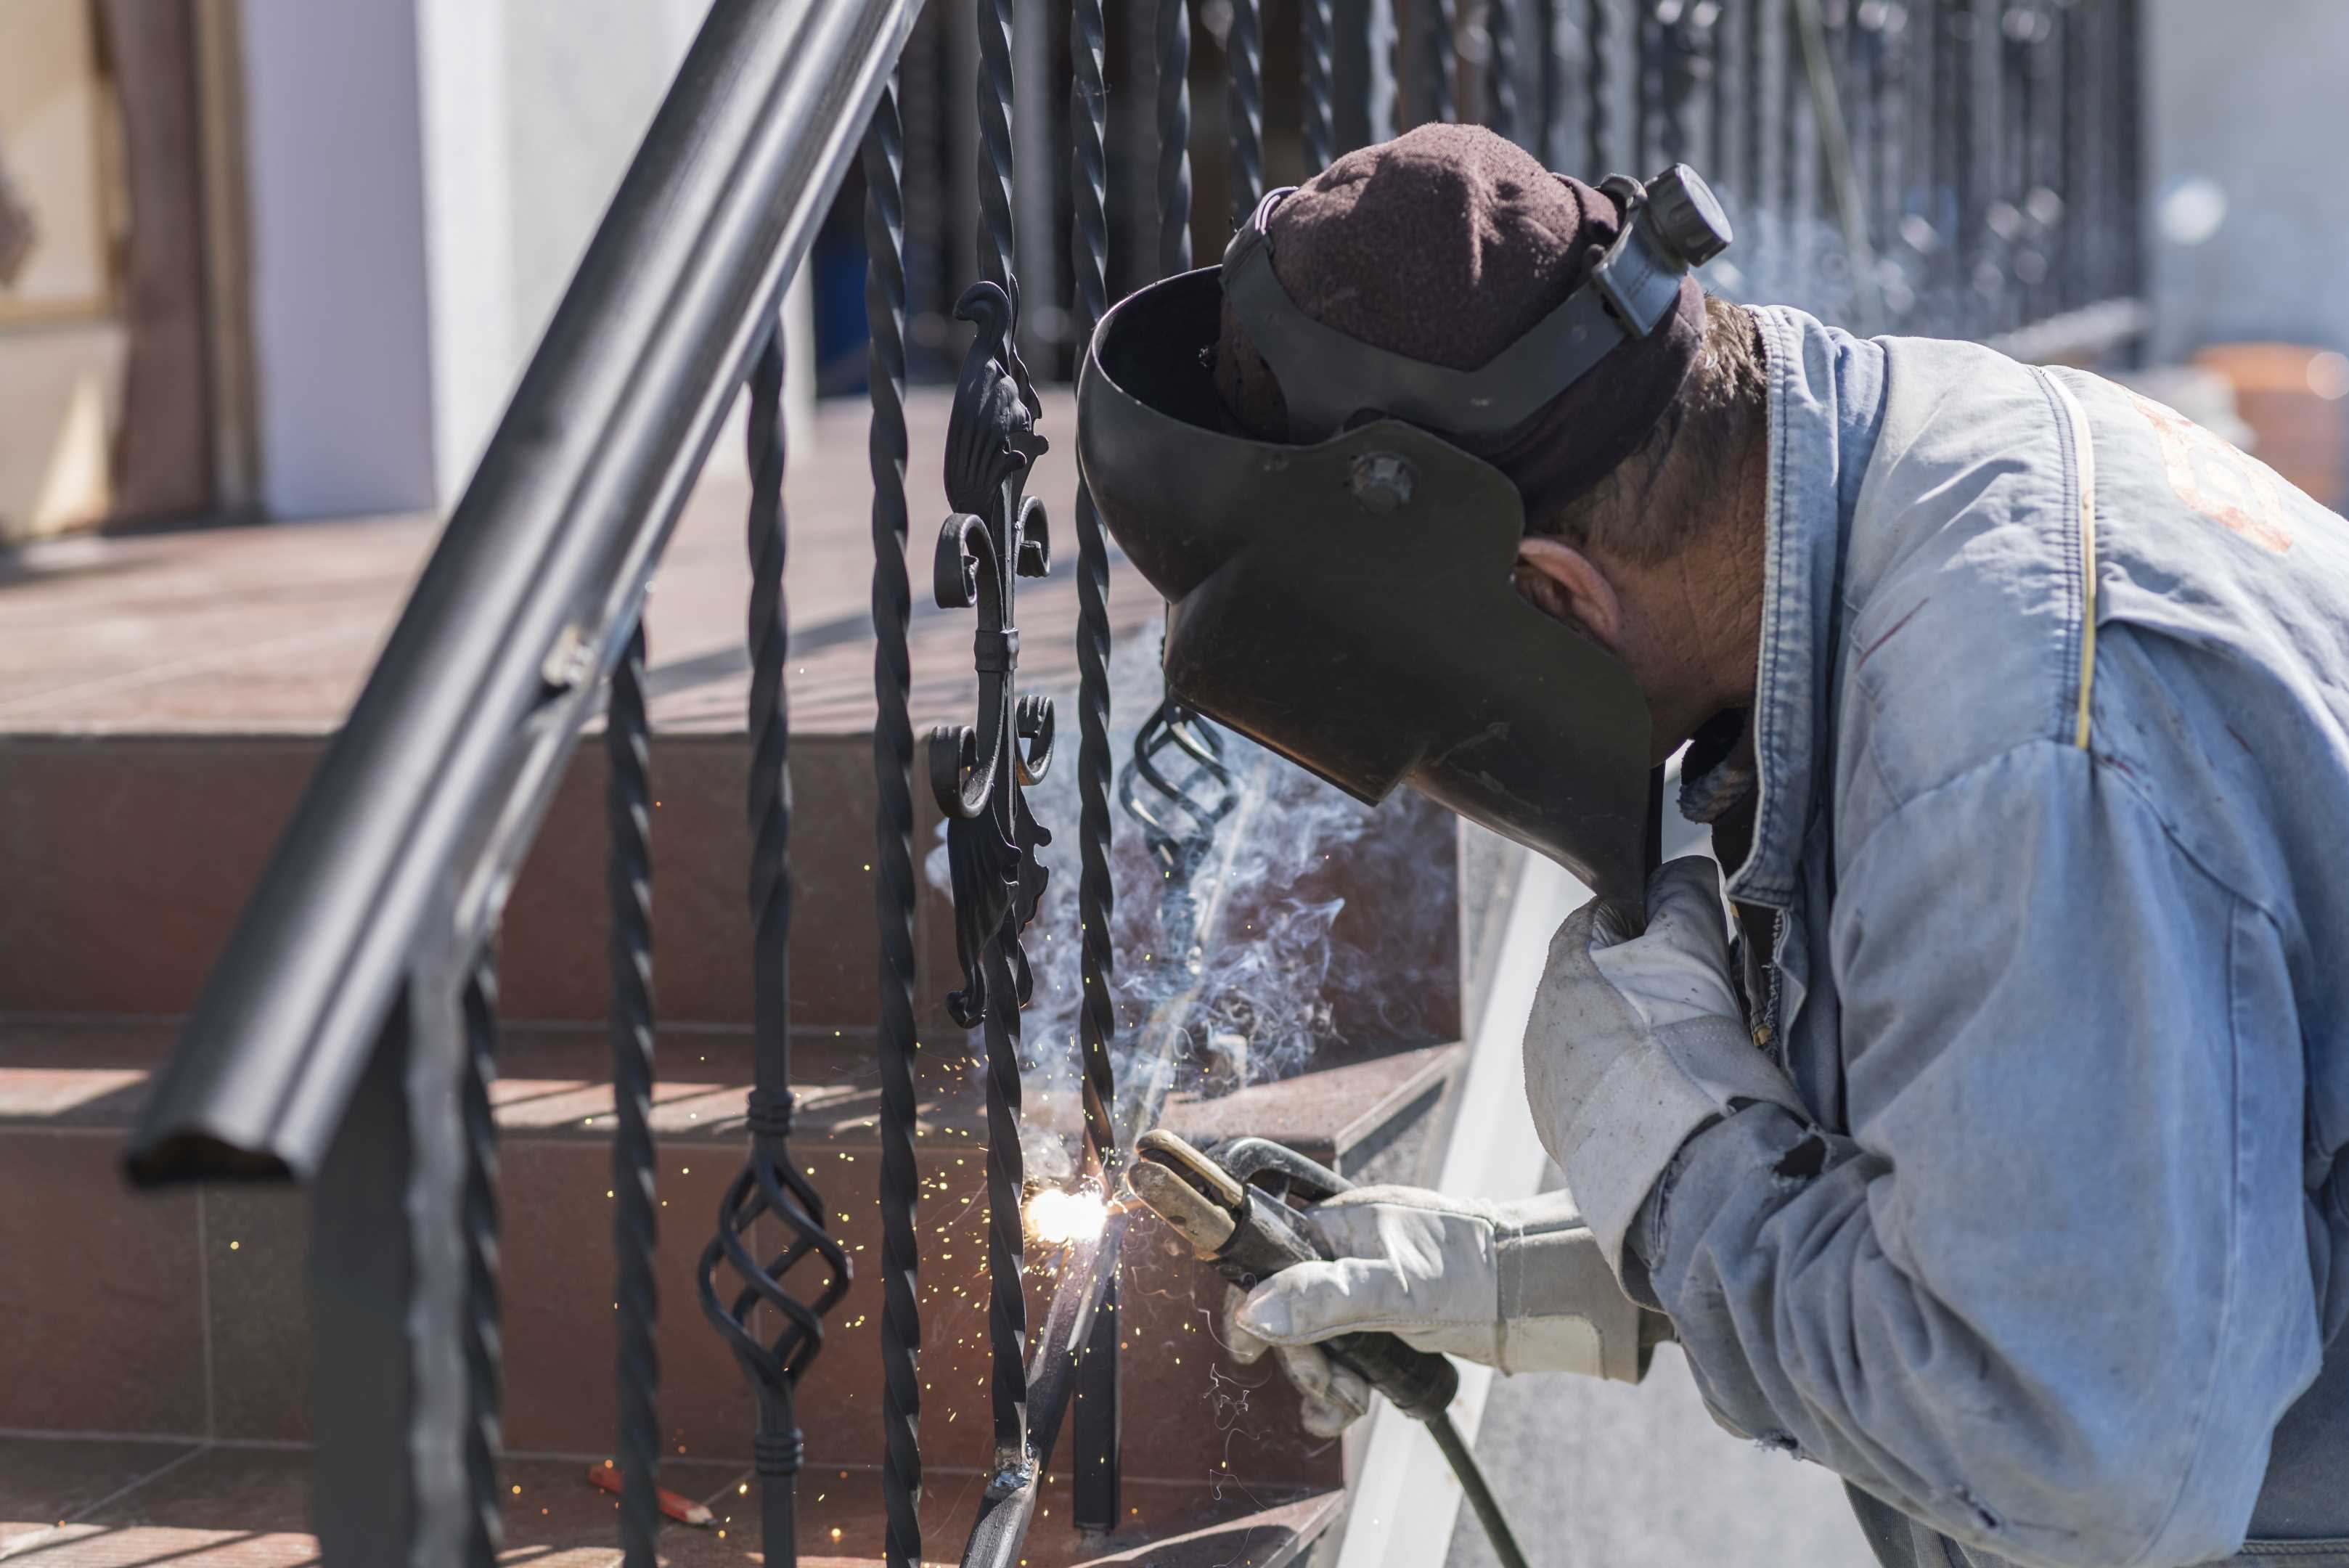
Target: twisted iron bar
(485,1523)
(769,1184)
(998,244)
(1096,897)
(1679,44)
(627,810)
(1174,137)
(916,91)
(1754,102)
(1316,127)
(1716,113)
(1096,1478)
(1792,231)
(1439,62)
(1647,31)
(1243,53)
(1599,70)
(1550,89)
(892,860)
(1501,32)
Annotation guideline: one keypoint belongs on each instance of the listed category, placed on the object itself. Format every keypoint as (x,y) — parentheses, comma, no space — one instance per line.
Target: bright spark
(1058,1218)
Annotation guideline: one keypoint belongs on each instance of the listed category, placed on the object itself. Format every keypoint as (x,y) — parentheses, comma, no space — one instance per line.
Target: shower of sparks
(1058,1217)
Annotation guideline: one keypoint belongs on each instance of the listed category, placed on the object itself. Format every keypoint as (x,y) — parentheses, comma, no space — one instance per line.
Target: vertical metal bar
(1095,1475)
(389,1390)
(893,773)
(769,1185)
(777,1444)
(1647,33)
(1550,84)
(1439,62)
(1362,67)
(1676,41)
(998,246)
(1501,93)
(1243,55)
(1753,189)
(2076,135)
(1716,112)
(482,1344)
(1794,223)
(628,813)
(2129,142)
(778,1447)
(916,90)
(1314,114)
(1035,138)
(1598,84)
(1174,137)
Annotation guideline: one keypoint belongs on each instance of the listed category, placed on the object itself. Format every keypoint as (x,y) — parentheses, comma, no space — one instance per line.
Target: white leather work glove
(1519,1286)
(1636,1042)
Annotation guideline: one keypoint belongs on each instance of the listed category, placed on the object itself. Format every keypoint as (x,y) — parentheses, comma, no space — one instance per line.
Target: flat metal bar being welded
(455,746)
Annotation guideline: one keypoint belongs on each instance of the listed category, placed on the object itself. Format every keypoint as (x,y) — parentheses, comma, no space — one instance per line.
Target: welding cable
(1480,1496)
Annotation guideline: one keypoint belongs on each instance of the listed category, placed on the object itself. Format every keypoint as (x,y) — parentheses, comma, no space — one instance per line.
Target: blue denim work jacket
(2051,731)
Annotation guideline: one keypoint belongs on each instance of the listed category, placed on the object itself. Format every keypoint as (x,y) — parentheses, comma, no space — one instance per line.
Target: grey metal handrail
(429,795)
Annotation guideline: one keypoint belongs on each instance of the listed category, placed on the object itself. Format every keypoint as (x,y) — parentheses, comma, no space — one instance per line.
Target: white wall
(425,176)
(2250,95)
(344,387)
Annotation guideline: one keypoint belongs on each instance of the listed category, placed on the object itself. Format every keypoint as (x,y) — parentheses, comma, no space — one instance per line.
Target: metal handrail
(427,797)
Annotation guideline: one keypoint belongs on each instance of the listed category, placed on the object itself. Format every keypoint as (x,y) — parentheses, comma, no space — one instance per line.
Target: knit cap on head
(1446,245)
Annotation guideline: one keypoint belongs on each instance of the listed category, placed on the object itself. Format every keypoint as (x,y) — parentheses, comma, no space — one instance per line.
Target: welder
(1974,1115)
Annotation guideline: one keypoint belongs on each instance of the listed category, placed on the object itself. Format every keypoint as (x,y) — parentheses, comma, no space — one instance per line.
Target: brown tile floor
(272,628)
(119,1505)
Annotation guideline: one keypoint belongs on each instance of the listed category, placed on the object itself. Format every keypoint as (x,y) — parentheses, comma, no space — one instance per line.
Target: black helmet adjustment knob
(1687,215)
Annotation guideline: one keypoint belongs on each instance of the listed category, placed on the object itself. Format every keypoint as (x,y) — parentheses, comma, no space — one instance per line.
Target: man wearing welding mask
(1994,1164)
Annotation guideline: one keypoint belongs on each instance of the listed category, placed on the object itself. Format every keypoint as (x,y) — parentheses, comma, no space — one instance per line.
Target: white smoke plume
(1274,976)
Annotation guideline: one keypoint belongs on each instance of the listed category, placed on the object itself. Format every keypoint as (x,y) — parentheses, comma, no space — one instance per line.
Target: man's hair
(1658,500)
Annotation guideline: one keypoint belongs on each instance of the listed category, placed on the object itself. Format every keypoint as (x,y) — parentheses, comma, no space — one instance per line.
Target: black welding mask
(1347,601)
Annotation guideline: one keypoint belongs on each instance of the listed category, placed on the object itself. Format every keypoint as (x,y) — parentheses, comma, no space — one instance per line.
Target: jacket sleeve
(2053,1292)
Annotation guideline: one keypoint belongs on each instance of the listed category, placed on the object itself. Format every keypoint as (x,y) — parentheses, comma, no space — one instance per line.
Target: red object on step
(606,1476)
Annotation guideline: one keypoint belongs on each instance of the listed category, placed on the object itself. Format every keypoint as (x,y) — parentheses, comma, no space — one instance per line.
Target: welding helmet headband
(1350,604)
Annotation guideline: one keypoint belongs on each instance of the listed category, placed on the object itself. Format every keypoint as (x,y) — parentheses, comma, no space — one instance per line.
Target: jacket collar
(1826,401)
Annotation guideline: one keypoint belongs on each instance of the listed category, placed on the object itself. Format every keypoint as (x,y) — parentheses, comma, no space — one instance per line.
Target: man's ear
(1567,585)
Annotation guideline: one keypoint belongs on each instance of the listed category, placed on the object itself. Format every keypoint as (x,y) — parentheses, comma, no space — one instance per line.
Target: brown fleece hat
(1446,246)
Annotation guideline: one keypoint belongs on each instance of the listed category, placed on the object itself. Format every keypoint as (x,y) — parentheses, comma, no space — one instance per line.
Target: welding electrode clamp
(1225,1208)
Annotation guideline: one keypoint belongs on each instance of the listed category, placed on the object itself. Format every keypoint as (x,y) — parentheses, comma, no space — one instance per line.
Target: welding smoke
(1278,975)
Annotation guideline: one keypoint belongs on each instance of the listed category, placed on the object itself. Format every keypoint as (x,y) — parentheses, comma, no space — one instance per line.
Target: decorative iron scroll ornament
(978,773)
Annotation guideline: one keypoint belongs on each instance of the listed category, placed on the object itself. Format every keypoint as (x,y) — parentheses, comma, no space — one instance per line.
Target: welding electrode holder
(1418,1382)
(1250,1232)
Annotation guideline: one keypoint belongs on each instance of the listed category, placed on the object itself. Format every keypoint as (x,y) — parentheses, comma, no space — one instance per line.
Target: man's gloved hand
(1636,1042)
(1519,1286)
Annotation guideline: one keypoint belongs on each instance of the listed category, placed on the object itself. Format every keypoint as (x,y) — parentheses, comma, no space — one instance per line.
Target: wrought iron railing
(1965,167)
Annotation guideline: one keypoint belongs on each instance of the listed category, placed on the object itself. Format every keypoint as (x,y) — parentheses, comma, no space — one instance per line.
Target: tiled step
(129,858)
(185,1314)
(113,1503)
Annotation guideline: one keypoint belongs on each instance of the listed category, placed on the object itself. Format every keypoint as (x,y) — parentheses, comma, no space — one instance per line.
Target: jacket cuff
(1560,1308)
(1649,1103)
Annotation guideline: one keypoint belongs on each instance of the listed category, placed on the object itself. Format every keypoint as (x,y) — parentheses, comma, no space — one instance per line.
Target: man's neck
(1696,619)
